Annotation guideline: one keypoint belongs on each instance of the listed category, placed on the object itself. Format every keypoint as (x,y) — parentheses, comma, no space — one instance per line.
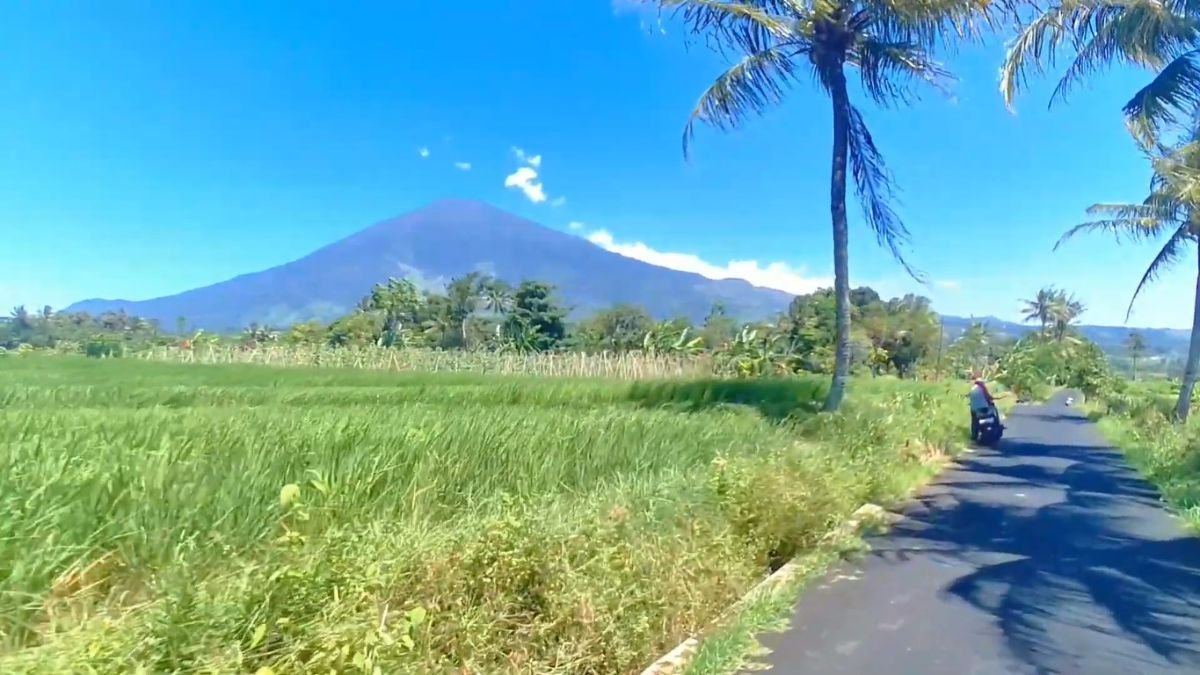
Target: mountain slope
(432,245)
(1168,341)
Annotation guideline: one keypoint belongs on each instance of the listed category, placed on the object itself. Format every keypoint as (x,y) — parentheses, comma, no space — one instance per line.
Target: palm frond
(1035,47)
(929,23)
(1167,256)
(1135,226)
(1146,33)
(1173,94)
(1100,35)
(748,26)
(757,82)
(873,185)
(1176,175)
(886,68)
(1159,206)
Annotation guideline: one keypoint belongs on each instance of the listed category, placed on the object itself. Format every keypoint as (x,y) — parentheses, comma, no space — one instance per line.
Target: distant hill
(432,245)
(1162,341)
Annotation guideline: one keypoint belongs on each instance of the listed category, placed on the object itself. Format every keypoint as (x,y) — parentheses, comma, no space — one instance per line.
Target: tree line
(104,334)
(899,336)
(477,311)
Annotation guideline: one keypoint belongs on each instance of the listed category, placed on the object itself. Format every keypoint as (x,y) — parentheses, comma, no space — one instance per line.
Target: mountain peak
(460,208)
(431,245)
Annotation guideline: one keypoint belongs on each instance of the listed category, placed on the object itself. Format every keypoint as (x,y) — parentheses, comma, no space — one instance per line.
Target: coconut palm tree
(496,296)
(1170,212)
(20,316)
(464,294)
(1135,345)
(1038,308)
(1160,36)
(887,43)
(1064,311)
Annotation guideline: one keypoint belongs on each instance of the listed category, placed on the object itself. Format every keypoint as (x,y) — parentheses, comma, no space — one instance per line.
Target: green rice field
(159,517)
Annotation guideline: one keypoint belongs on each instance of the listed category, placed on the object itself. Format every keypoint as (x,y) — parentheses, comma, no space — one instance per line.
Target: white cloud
(423,152)
(778,275)
(532,160)
(575,226)
(462,166)
(525,180)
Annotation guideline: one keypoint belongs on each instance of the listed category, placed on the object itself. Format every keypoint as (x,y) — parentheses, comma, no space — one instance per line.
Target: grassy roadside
(733,645)
(226,519)
(1138,421)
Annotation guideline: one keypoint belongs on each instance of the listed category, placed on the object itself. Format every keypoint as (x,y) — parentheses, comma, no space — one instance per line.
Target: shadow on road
(1057,543)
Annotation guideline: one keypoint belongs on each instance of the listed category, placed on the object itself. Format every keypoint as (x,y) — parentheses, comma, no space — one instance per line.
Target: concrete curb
(674,661)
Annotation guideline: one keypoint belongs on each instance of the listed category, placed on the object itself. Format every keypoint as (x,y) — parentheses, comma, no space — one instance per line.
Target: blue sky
(149,148)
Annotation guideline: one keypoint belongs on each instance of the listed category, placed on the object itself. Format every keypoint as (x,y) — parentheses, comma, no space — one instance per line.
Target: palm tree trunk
(1183,406)
(841,236)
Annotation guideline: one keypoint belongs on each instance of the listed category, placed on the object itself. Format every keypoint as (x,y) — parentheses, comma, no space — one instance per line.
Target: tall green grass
(1138,419)
(230,518)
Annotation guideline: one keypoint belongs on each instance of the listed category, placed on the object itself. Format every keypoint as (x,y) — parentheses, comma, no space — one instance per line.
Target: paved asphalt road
(1046,555)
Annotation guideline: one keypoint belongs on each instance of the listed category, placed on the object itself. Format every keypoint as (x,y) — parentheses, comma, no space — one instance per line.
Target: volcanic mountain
(434,244)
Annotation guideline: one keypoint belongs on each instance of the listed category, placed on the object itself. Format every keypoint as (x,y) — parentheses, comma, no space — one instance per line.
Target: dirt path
(1046,555)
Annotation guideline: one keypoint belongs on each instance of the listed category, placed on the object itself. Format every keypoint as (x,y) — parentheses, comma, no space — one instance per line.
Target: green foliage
(672,337)
(1055,310)
(1135,346)
(1036,363)
(775,398)
(307,334)
(622,328)
(904,331)
(976,351)
(1137,417)
(1161,37)
(479,314)
(888,46)
(401,307)
(47,329)
(1170,214)
(536,322)
(229,519)
(718,328)
(104,347)
(356,330)
(891,336)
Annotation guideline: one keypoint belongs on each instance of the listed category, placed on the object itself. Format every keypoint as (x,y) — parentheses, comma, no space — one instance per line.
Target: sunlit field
(205,518)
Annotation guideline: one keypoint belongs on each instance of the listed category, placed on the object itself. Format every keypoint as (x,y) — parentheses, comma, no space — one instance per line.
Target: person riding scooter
(982,405)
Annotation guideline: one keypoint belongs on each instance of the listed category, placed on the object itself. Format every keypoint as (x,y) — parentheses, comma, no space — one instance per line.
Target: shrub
(101,348)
